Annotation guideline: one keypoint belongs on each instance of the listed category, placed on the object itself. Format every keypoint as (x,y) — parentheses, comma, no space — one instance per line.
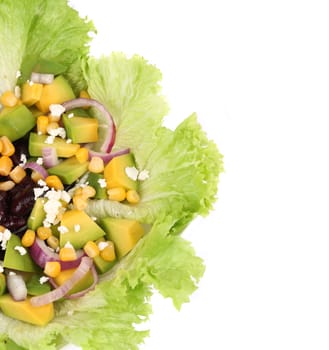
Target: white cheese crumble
(1,267)
(23,159)
(68,245)
(39,161)
(56,110)
(131,172)
(43,279)
(51,208)
(143,175)
(65,196)
(17,91)
(62,229)
(70,115)
(30,82)
(18,74)
(50,140)
(12,273)
(102,245)
(4,238)
(21,250)
(77,227)
(42,183)
(102,183)
(68,141)
(57,132)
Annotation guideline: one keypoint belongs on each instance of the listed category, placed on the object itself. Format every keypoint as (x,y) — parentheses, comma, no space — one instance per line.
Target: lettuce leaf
(34,29)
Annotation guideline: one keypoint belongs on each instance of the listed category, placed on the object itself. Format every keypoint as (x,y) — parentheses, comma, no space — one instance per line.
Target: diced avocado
(116,175)
(81,129)
(24,311)
(3,284)
(81,285)
(63,149)
(124,233)
(11,345)
(57,92)
(81,229)
(49,67)
(102,265)
(31,93)
(15,122)
(80,112)
(14,260)
(34,287)
(95,180)
(37,215)
(69,170)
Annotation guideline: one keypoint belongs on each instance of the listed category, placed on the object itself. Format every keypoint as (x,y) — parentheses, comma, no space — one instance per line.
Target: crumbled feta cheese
(23,159)
(68,141)
(57,132)
(102,183)
(143,175)
(93,218)
(30,82)
(50,140)
(42,183)
(131,172)
(12,273)
(43,279)
(65,196)
(18,74)
(54,195)
(56,110)
(17,91)
(21,250)
(102,245)
(38,192)
(68,245)
(70,115)
(1,267)
(51,208)
(63,229)
(39,161)
(77,227)
(4,238)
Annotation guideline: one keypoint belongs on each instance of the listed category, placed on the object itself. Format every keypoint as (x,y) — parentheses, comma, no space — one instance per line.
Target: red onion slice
(41,253)
(108,156)
(60,292)
(88,102)
(16,286)
(36,167)
(49,156)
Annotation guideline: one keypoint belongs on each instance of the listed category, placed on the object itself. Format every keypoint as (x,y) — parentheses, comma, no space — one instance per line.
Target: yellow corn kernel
(52,268)
(116,194)
(17,174)
(44,232)
(8,149)
(82,155)
(53,242)
(88,191)
(36,176)
(28,238)
(67,254)
(91,249)
(108,253)
(6,164)
(132,196)
(84,94)
(53,181)
(8,99)
(96,165)
(2,228)
(42,124)
(7,185)
(79,202)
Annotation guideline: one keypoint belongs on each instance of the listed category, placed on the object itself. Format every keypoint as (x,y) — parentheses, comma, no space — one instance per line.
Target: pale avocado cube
(15,122)
(14,260)
(102,265)
(37,215)
(124,233)
(95,180)
(81,129)
(80,228)
(69,170)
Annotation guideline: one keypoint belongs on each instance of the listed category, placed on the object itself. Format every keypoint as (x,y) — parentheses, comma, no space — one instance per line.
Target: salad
(94,190)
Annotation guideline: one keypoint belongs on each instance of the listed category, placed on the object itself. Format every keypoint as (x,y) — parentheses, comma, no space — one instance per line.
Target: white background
(257,74)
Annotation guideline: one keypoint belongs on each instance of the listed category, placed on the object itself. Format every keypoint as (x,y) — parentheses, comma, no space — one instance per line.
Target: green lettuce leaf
(34,29)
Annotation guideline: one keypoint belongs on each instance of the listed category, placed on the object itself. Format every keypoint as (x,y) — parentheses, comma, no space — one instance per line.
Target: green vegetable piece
(124,233)
(63,149)
(81,229)
(95,181)
(34,287)
(3,284)
(37,215)
(14,260)
(102,265)
(15,122)
(49,67)
(81,129)
(69,170)
(11,345)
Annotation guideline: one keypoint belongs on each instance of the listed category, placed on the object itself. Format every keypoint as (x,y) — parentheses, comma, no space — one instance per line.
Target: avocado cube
(81,129)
